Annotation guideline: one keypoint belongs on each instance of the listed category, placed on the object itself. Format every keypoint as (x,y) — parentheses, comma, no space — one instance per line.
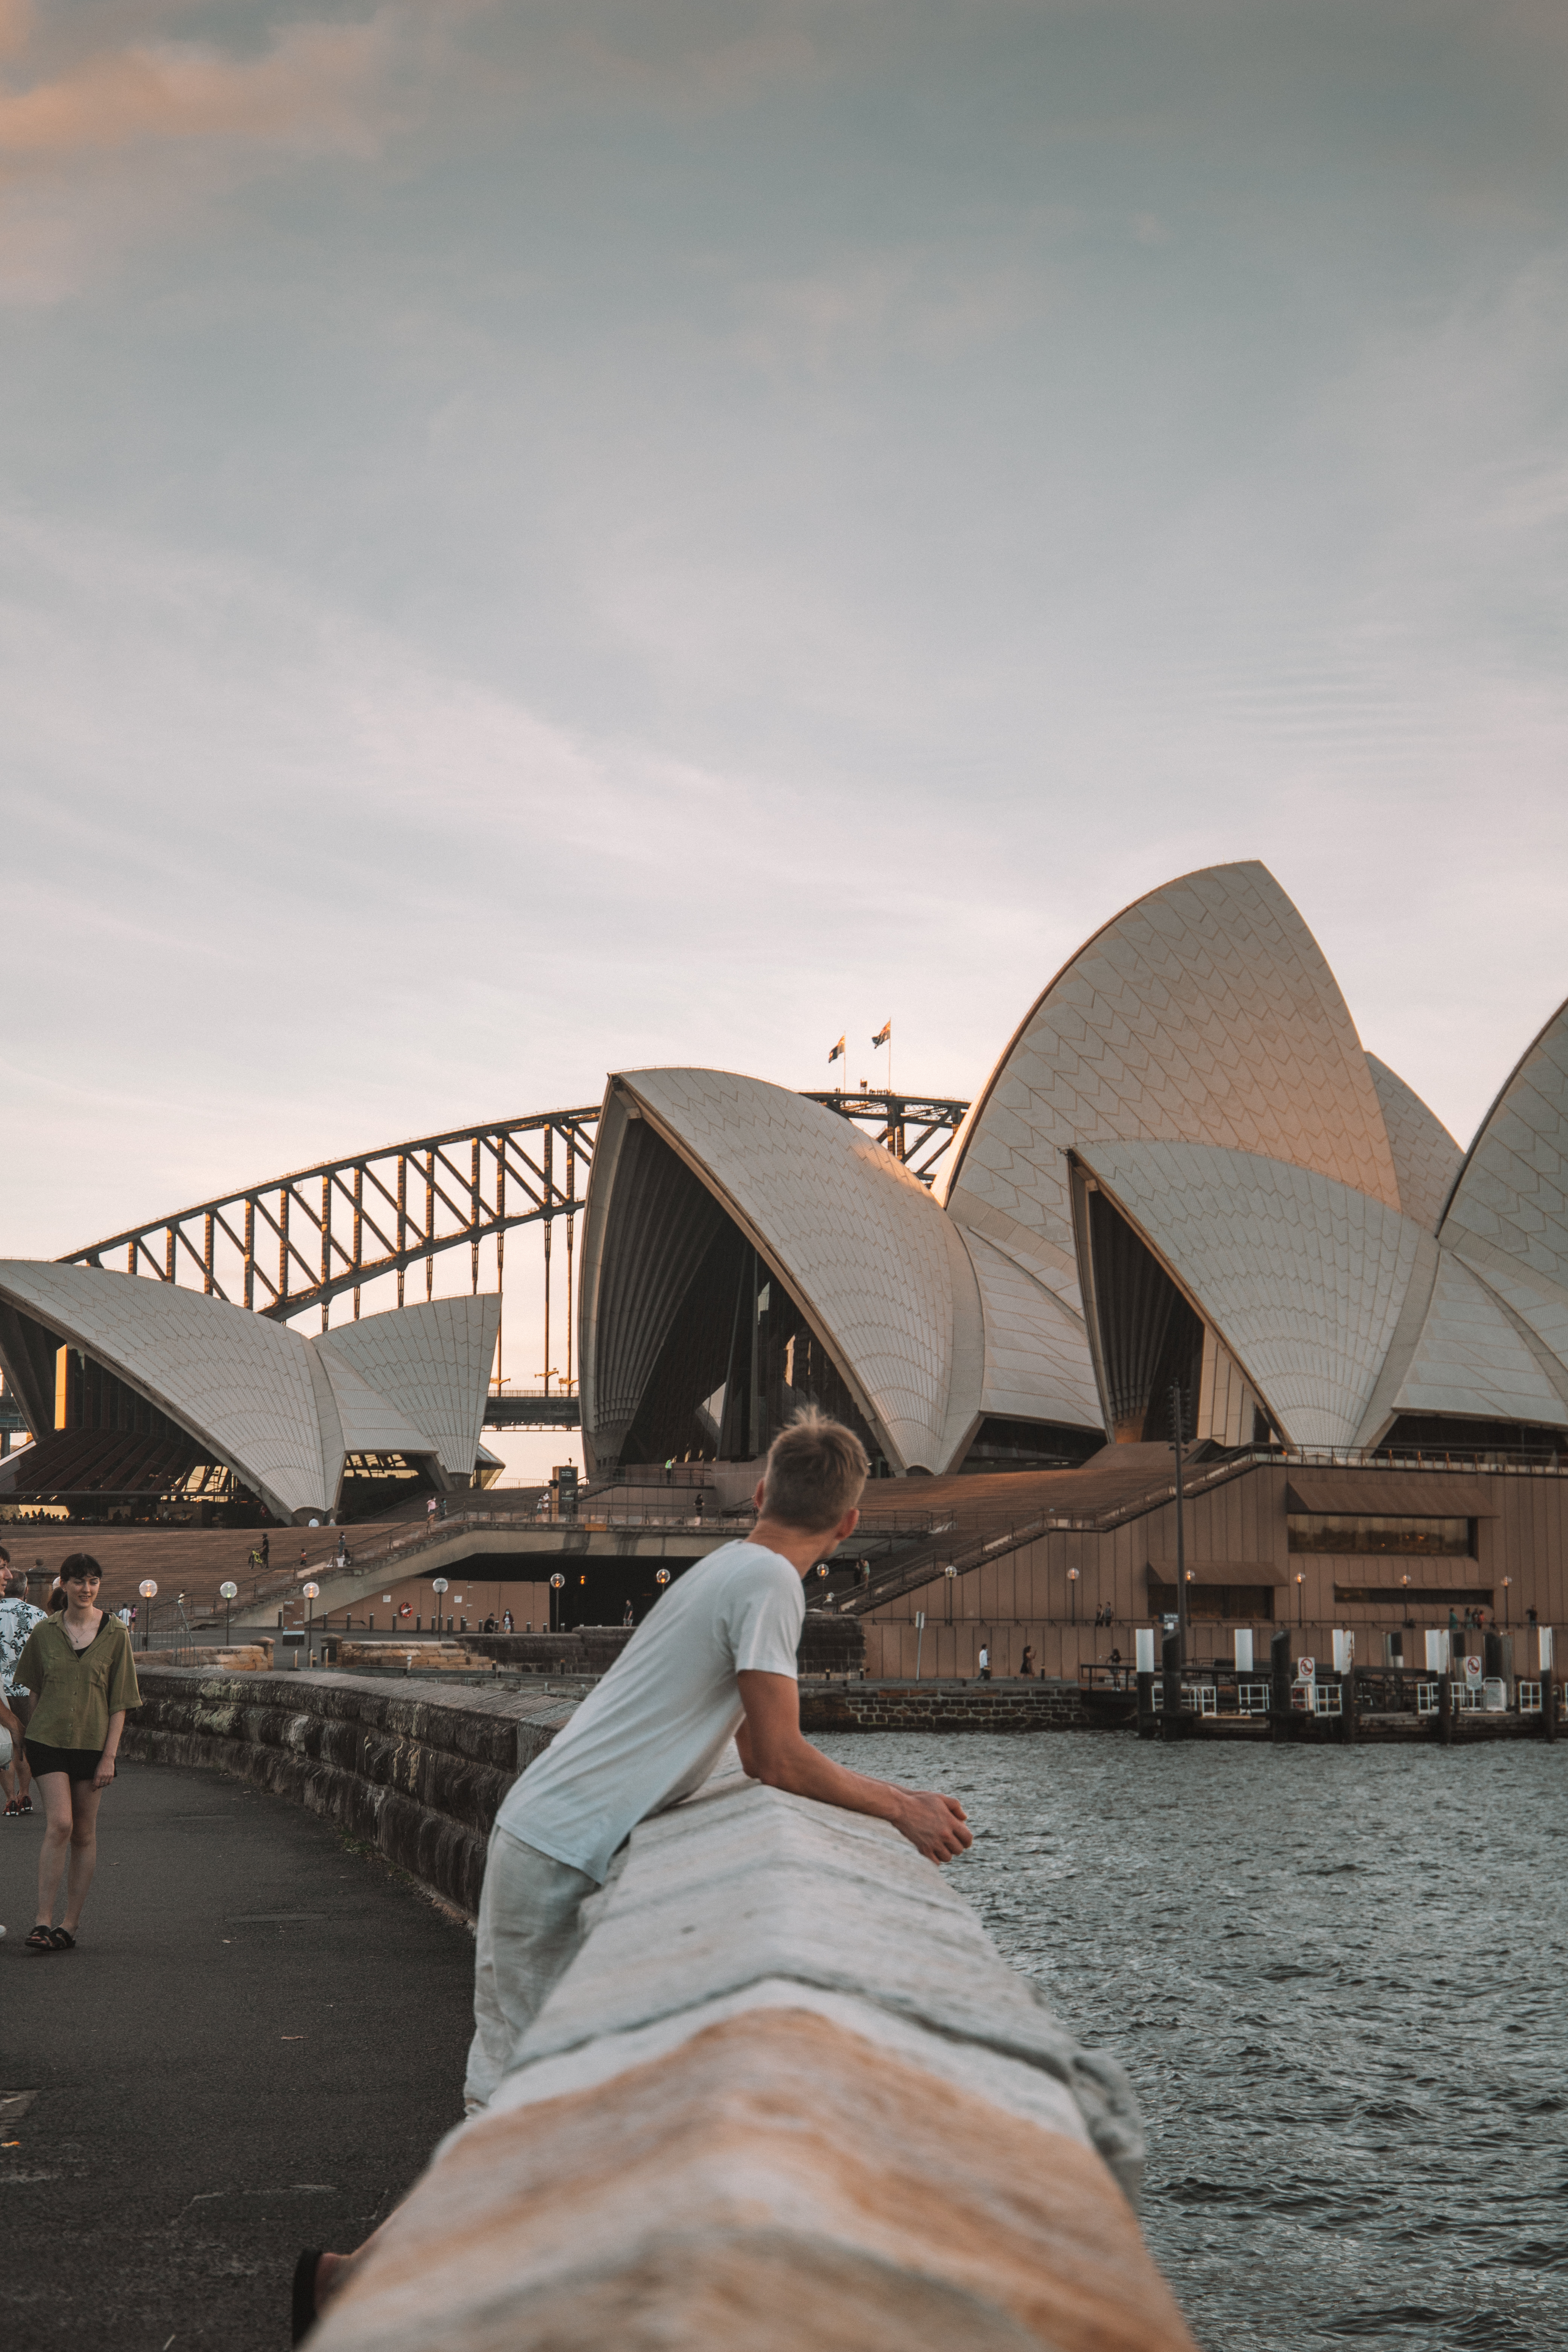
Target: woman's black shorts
(81,1763)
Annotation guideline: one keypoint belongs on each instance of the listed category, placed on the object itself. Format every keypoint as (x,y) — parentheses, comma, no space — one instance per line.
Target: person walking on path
(17,1619)
(714,1660)
(81,1671)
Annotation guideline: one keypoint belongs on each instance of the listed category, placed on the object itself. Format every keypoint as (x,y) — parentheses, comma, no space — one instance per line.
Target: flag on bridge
(884,1035)
(838,1053)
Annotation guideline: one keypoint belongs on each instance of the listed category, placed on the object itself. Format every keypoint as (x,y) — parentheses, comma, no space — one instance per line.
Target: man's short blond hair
(815,1470)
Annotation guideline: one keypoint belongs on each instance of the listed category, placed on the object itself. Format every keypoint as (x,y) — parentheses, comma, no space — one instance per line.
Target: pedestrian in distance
(713,1660)
(1026,1664)
(81,1671)
(266,1551)
(17,1619)
(984,1663)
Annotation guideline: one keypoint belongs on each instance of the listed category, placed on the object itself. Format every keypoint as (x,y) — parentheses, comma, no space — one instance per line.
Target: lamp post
(229,1592)
(439,1584)
(149,1591)
(556,1581)
(1301,1581)
(1072,1588)
(310,1592)
(1507,1617)
(1181,1528)
(950,1573)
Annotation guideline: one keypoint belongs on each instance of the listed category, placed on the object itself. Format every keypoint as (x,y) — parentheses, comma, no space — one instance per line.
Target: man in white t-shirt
(713,1661)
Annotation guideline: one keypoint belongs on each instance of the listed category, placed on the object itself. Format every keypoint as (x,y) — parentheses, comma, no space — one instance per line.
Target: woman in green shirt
(79,1668)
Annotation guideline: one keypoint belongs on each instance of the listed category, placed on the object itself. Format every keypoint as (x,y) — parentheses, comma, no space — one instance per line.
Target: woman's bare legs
(83,1850)
(55,1792)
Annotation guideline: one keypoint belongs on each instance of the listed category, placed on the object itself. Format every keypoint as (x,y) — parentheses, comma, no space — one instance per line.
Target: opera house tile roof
(281,1410)
(1184,1172)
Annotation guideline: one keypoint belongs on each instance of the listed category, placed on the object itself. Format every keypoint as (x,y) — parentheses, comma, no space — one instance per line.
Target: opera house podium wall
(1260,1537)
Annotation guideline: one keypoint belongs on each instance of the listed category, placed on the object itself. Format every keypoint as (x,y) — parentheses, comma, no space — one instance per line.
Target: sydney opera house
(1184,1173)
(1185,1183)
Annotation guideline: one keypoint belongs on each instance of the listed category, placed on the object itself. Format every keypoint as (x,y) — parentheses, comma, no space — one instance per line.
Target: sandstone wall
(787,2096)
(418,1773)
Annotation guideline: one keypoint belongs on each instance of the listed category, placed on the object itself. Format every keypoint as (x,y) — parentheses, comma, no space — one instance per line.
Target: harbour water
(1340,1983)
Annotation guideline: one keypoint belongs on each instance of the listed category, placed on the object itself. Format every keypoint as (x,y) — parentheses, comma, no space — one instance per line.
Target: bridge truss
(295,1242)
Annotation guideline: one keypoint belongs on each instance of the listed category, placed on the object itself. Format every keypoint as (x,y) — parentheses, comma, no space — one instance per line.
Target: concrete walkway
(254,2048)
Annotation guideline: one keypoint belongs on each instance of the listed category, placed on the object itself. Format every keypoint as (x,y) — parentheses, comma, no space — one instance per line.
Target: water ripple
(1337,1981)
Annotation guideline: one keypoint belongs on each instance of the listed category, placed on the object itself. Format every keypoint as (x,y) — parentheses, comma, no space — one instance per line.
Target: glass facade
(739,1358)
(1342,1531)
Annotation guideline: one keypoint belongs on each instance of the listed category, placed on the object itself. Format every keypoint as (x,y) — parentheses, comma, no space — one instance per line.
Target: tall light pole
(1181,1526)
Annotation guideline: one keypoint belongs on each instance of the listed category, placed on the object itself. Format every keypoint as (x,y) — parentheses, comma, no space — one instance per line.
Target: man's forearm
(803,1770)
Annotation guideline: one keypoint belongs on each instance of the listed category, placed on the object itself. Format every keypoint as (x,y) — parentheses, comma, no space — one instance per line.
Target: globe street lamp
(1301,1581)
(1507,1616)
(149,1591)
(949,1573)
(229,1592)
(1072,1589)
(439,1584)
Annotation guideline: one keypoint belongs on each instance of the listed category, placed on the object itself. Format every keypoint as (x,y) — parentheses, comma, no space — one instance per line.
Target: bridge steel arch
(298,1240)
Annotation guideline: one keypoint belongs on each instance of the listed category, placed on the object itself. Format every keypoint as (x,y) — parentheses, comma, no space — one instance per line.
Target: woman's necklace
(88,1625)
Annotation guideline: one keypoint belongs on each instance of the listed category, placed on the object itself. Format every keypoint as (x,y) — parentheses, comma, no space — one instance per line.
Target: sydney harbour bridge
(297,1242)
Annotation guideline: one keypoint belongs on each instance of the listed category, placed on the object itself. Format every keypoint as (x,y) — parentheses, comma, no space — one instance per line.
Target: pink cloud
(315,88)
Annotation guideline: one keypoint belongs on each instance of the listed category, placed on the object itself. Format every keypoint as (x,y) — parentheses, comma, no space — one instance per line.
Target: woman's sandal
(25,1805)
(42,1939)
(14,1810)
(304,2311)
(62,1939)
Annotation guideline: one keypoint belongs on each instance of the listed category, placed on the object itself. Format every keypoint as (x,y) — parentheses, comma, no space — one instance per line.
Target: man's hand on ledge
(937,1825)
(774,1750)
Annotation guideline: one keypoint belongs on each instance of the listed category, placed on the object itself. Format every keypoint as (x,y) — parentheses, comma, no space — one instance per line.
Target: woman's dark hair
(75,1563)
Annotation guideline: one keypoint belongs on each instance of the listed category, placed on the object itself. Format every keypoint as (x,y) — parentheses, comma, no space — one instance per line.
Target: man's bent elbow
(776,1768)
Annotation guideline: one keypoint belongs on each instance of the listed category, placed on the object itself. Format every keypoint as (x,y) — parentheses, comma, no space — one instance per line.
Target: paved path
(254,2048)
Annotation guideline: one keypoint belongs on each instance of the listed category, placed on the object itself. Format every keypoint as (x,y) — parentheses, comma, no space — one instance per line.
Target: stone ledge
(788,2095)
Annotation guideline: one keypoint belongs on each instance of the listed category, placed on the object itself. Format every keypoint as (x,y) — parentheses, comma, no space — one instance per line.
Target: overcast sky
(538,539)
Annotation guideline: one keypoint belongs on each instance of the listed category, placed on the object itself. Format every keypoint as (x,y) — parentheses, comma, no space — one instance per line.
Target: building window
(1346,1531)
(1251,1603)
(1408,1598)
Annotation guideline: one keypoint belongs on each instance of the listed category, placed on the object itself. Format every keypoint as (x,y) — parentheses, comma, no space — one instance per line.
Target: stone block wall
(788,2095)
(417,1773)
(943,1707)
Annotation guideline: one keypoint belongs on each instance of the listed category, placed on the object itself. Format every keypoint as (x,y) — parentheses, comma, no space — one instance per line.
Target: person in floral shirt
(17,1619)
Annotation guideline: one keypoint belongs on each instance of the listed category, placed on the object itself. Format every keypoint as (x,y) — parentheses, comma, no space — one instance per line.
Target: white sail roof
(1427,1159)
(875,1265)
(1302,1278)
(1203,1013)
(1471,1359)
(239,1384)
(1037,1360)
(432,1361)
(1512,1195)
(278,1407)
